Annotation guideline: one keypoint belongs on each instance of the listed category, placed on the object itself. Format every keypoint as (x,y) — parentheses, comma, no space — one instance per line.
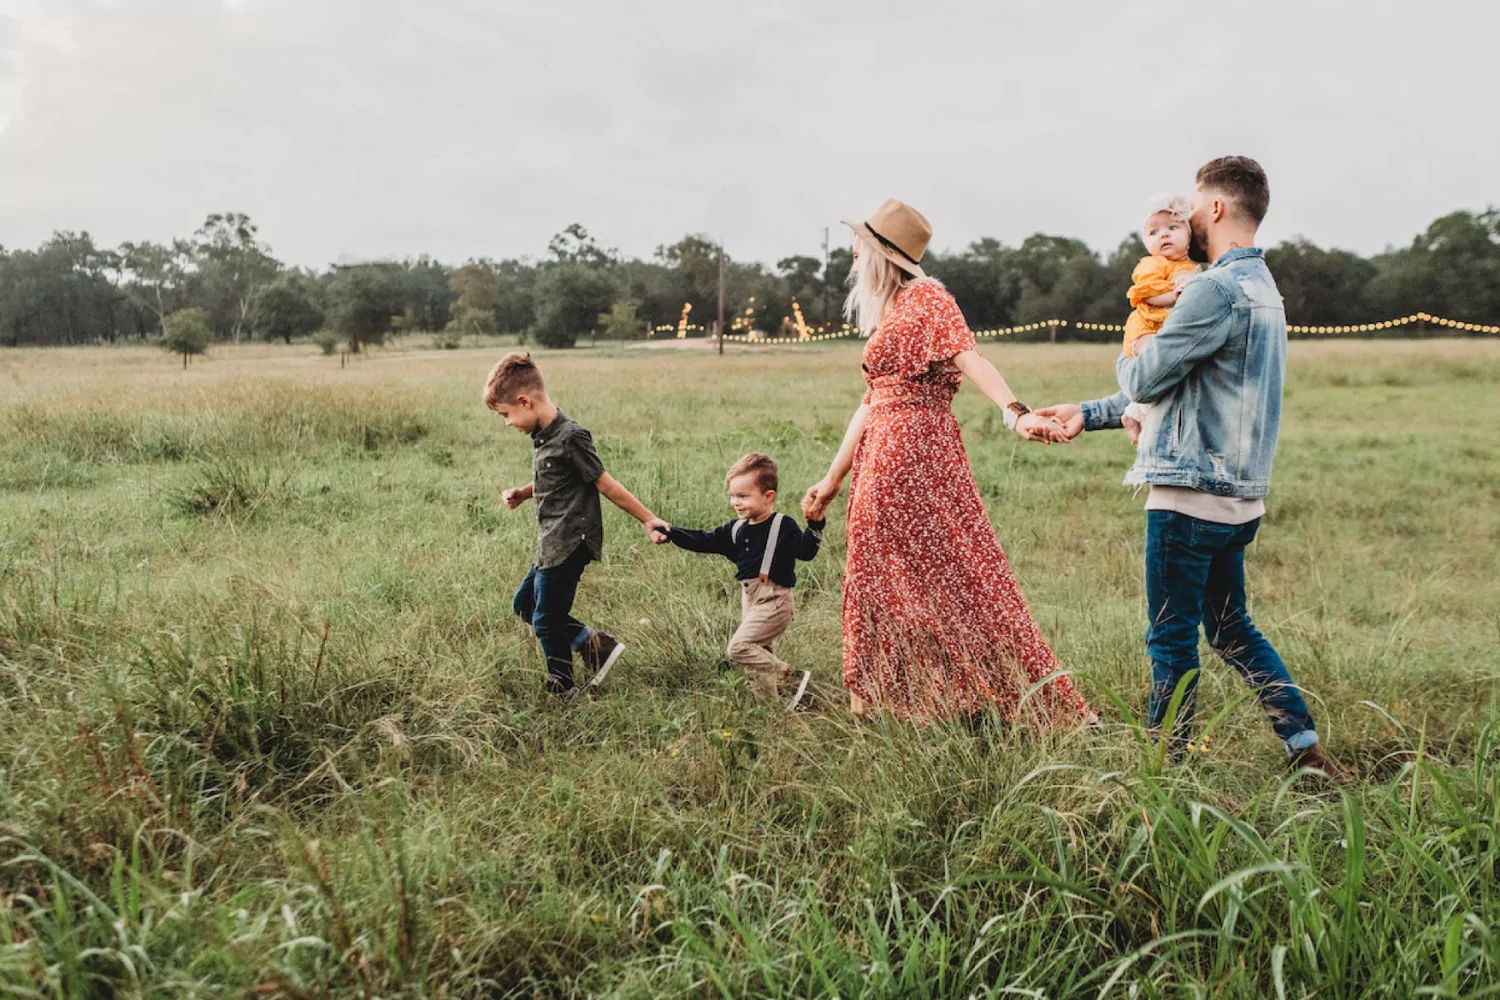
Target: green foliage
(70,291)
(328,341)
(570,296)
(231,263)
(621,322)
(366,299)
(64,292)
(470,321)
(186,332)
(285,308)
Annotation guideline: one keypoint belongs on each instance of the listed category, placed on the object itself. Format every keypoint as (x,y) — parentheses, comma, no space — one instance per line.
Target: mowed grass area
(267,725)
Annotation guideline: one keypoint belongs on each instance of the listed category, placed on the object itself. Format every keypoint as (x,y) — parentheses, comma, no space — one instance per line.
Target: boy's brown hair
(763,466)
(1243,180)
(512,376)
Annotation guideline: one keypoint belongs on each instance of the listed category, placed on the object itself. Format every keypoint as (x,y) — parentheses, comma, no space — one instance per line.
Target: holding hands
(1067,416)
(819,496)
(1043,427)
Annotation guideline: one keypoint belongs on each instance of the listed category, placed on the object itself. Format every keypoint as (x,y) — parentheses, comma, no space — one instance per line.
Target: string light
(845,331)
(1392,324)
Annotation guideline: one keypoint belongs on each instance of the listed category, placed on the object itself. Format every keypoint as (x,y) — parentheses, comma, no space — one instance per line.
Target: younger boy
(765,547)
(567,479)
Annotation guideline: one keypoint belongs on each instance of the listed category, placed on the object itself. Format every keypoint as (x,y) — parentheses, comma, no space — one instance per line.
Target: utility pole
(825,276)
(721,297)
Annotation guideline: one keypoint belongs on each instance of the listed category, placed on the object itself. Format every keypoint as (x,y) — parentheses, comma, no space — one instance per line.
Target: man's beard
(1197,249)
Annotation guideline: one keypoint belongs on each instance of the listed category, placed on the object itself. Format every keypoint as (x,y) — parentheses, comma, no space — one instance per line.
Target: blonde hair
(872,286)
(1178,206)
(512,375)
(763,466)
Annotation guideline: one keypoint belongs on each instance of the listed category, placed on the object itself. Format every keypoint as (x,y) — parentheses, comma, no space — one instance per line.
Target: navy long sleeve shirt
(749,550)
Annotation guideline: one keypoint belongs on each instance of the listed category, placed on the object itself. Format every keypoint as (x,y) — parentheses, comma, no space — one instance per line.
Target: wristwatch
(1013,412)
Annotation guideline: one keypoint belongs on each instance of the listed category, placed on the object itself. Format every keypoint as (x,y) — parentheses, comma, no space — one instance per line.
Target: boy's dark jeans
(1195,573)
(545,602)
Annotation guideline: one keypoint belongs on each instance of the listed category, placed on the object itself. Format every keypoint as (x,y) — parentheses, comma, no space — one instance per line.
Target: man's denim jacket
(1214,374)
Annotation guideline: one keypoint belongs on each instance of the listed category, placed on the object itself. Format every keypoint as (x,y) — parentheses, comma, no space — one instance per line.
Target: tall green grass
(268,728)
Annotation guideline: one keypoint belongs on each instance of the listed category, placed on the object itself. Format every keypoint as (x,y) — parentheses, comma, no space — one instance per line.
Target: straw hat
(899,232)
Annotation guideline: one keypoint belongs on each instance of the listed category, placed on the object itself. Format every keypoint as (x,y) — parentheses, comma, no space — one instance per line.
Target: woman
(934,624)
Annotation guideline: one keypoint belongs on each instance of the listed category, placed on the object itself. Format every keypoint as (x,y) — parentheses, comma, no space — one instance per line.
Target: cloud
(458,128)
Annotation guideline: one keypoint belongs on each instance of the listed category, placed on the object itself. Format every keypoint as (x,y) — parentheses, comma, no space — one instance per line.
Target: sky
(363,129)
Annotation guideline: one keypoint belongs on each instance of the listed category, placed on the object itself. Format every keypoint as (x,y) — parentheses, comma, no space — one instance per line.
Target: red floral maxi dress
(934,624)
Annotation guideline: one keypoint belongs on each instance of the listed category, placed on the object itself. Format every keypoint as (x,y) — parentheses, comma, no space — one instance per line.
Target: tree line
(224,284)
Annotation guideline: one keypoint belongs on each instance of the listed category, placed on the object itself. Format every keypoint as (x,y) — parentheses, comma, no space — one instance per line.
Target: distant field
(267,724)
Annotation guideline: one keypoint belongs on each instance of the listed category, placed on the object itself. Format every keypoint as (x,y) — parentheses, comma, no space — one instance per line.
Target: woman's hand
(819,496)
(1034,427)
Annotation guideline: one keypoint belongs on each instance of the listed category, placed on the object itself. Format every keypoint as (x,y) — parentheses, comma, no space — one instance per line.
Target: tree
(232,263)
(476,296)
(1452,269)
(620,322)
(186,332)
(574,245)
(64,292)
(285,308)
(427,298)
(1319,287)
(515,308)
(570,296)
(158,274)
(365,299)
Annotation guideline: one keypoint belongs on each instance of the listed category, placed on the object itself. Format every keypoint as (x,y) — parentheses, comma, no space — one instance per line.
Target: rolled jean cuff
(586,633)
(1301,741)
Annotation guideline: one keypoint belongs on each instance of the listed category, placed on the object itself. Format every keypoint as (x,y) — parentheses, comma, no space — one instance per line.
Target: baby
(1157,279)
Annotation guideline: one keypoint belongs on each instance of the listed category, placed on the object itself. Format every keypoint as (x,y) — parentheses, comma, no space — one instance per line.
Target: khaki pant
(765,613)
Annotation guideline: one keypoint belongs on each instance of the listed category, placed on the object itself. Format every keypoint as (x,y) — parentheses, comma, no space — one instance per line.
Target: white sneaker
(801,689)
(601,653)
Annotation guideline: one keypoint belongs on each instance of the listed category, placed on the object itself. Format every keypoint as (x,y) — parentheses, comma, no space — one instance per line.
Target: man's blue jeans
(1195,574)
(545,602)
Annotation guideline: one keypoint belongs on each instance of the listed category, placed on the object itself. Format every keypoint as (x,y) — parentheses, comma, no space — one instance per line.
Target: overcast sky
(353,129)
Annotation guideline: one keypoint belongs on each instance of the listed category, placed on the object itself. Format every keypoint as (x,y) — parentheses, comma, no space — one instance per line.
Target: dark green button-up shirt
(564,470)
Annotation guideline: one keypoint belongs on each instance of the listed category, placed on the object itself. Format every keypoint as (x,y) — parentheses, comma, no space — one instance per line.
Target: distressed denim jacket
(1214,373)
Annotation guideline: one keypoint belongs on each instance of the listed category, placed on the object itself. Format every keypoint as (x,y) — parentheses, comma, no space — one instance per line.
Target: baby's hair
(1178,206)
(763,466)
(512,376)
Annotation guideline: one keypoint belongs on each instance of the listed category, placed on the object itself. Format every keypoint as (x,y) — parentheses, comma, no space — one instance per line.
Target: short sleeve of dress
(936,330)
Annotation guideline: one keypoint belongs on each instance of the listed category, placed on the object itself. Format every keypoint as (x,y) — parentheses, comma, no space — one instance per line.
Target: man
(1214,373)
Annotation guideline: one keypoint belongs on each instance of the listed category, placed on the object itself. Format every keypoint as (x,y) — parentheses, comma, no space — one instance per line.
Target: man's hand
(658,531)
(1034,427)
(515,496)
(1069,415)
(1133,428)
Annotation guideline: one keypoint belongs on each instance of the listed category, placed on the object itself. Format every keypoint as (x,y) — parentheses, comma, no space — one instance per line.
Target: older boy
(567,479)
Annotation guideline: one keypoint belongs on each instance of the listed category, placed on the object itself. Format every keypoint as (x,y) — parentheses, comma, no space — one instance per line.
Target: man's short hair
(1242,180)
(512,376)
(762,466)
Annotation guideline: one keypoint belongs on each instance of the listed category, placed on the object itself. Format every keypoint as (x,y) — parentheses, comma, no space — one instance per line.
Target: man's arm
(1197,328)
(1104,414)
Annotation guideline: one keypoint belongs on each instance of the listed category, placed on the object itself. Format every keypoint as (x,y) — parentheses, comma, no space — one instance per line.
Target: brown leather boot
(1314,759)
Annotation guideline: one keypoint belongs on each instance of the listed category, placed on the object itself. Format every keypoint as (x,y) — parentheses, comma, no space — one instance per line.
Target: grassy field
(267,726)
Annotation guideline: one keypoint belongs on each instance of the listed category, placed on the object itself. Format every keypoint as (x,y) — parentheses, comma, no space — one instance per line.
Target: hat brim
(862,231)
